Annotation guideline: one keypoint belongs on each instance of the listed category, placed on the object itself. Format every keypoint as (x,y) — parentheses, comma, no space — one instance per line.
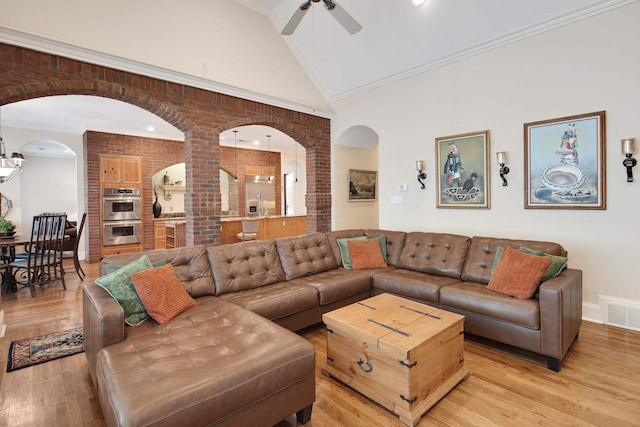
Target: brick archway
(201,115)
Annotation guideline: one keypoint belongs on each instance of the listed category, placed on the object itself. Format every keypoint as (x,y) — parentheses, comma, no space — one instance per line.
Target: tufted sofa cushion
(434,253)
(245,265)
(305,255)
(482,252)
(208,363)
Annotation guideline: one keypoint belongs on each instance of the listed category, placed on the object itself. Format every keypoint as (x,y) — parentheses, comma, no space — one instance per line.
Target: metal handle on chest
(368,362)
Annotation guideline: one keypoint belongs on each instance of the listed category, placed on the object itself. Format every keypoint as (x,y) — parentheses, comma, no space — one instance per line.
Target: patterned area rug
(33,351)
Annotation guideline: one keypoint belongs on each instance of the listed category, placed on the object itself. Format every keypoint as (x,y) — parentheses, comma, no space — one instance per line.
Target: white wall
(587,66)
(175,203)
(288,165)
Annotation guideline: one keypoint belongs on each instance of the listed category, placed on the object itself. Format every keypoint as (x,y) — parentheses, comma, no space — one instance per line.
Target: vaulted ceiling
(399,39)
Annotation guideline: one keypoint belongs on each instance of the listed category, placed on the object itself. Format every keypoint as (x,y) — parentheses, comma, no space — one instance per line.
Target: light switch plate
(396,200)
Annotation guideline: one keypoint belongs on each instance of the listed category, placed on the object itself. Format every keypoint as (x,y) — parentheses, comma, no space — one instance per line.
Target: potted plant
(7,228)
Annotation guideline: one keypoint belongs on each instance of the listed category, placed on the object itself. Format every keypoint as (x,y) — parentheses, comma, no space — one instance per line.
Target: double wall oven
(121,216)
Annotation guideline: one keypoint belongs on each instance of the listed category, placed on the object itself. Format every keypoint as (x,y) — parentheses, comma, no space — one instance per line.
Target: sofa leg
(553,364)
(304,415)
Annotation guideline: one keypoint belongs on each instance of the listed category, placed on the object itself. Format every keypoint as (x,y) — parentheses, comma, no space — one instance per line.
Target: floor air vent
(622,313)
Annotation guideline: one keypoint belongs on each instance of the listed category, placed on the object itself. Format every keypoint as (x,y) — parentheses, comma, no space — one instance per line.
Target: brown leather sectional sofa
(209,366)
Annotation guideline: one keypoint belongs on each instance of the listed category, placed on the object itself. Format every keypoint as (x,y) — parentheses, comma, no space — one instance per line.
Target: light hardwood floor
(599,384)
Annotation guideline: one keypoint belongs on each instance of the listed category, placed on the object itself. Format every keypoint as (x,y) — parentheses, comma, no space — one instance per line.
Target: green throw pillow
(383,246)
(120,286)
(114,267)
(344,250)
(558,263)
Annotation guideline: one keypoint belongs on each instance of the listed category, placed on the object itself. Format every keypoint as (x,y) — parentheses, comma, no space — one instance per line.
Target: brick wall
(200,114)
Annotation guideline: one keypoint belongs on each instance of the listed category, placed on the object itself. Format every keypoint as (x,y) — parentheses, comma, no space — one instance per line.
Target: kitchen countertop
(182,216)
(240,218)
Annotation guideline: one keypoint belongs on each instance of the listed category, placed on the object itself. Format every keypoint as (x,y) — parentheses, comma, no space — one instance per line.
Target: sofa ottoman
(215,364)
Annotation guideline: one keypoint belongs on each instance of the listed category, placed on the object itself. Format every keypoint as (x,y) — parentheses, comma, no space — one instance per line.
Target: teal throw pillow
(344,250)
(114,267)
(558,263)
(120,286)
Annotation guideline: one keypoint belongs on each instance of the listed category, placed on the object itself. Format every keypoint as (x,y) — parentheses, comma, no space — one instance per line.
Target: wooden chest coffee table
(402,354)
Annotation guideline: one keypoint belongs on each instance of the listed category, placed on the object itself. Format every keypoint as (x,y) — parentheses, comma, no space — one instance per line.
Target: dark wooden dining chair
(44,262)
(75,243)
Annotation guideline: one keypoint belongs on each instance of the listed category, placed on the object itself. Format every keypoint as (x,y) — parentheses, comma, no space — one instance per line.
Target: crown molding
(55,47)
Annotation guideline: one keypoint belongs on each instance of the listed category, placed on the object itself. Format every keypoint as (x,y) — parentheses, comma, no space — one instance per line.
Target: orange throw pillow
(161,293)
(518,274)
(365,254)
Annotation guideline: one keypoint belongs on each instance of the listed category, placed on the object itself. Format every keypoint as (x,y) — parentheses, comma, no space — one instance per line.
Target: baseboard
(618,312)
(592,312)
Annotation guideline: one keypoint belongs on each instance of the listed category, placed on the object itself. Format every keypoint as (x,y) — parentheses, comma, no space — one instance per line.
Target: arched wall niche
(198,113)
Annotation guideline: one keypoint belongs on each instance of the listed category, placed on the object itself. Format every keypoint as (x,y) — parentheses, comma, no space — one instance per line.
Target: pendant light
(235,155)
(296,146)
(9,167)
(270,178)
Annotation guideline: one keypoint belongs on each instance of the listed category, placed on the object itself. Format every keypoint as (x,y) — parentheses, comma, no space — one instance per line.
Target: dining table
(8,247)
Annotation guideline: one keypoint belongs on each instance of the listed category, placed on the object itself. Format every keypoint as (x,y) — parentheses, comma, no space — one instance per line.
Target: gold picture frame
(463,178)
(564,162)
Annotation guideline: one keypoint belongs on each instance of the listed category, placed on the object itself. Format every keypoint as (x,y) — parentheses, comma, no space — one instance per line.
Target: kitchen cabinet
(160,232)
(260,170)
(175,234)
(120,249)
(120,171)
(271,227)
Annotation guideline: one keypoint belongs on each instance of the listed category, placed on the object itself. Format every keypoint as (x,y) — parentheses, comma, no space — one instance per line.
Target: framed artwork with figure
(462,179)
(564,162)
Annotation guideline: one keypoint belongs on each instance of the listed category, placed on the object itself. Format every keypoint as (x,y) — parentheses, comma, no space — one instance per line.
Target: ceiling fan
(341,15)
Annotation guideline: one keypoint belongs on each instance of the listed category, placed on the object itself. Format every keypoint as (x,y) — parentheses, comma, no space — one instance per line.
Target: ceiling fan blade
(296,18)
(343,17)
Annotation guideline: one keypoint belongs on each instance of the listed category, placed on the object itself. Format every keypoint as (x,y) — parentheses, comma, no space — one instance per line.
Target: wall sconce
(502,159)
(421,174)
(629,162)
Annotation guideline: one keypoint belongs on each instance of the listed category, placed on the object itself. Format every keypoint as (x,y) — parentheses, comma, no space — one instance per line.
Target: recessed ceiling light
(256,142)
(151,128)
(419,2)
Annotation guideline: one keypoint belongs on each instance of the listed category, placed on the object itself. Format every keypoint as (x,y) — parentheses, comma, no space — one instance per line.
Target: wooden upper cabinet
(116,171)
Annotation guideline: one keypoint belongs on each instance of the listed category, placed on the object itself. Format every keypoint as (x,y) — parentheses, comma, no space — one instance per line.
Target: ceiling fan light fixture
(342,16)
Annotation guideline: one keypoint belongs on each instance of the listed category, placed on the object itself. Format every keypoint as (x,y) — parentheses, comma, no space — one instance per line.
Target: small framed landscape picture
(363,185)
(564,162)
(462,179)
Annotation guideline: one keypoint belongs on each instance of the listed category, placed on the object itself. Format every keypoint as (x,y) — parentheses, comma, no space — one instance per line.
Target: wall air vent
(620,312)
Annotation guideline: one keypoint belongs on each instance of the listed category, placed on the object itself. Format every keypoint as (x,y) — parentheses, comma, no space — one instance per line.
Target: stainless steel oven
(120,204)
(121,232)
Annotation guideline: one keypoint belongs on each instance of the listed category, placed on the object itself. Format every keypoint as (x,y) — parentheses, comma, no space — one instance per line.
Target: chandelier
(9,167)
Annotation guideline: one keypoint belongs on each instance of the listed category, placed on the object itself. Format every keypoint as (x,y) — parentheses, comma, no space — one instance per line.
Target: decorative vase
(157,208)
